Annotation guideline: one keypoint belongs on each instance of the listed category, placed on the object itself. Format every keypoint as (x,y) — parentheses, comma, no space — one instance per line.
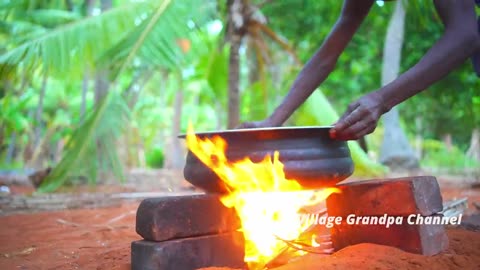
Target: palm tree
(133,34)
(396,151)
(245,20)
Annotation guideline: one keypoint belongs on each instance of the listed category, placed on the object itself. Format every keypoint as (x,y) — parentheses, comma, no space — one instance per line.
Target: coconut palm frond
(162,53)
(96,135)
(51,17)
(66,49)
(19,32)
(91,149)
(163,39)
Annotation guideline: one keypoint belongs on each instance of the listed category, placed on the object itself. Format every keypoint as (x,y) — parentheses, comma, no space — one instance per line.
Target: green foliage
(11,114)
(11,166)
(70,47)
(93,139)
(50,18)
(212,67)
(155,157)
(140,35)
(436,155)
(155,41)
(170,39)
(307,26)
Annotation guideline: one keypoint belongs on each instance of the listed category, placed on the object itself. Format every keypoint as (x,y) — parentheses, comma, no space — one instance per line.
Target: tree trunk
(254,70)
(102,82)
(101,85)
(89,5)
(11,148)
(395,152)
(418,137)
(233,83)
(447,140)
(83,104)
(174,157)
(135,88)
(135,150)
(219,108)
(69,5)
(236,23)
(38,115)
(105,5)
(163,103)
(474,149)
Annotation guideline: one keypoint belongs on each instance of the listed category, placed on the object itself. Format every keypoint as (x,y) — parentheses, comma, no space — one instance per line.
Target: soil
(72,239)
(463,253)
(100,239)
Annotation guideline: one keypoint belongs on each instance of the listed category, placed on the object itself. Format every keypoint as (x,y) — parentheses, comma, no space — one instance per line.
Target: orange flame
(267,203)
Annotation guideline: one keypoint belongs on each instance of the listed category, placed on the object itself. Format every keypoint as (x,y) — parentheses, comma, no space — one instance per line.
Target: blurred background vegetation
(92,87)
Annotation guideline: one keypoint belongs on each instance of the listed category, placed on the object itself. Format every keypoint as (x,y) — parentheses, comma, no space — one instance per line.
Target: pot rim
(253,130)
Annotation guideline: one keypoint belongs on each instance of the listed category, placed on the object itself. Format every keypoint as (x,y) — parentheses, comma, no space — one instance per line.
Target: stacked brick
(401,212)
(187,232)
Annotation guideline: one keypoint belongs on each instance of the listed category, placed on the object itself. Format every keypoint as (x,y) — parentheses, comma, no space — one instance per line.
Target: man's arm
(459,41)
(322,62)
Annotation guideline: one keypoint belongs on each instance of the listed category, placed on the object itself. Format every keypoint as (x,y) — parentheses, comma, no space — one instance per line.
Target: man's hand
(360,119)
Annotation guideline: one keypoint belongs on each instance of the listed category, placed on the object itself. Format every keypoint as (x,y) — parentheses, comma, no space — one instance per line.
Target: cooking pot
(309,155)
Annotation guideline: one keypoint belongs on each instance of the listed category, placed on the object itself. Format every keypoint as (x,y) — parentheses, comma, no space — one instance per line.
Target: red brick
(160,219)
(396,197)
(471,222)
(421,239)
(223,250)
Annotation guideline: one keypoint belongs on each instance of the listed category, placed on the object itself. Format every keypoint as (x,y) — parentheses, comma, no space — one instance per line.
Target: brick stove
(195,231)
(403,199)
(186,232)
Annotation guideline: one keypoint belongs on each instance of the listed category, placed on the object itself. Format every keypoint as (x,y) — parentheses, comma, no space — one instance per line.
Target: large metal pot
(309,155)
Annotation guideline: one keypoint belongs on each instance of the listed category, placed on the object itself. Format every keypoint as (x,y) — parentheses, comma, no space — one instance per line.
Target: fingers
(351,131)
(354,125)
(357,130)
(352,107)
(347,120)
(364,132)
(360,118)
(367,124)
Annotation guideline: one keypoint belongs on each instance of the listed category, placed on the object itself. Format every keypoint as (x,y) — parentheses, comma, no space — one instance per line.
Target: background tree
(396,151)
(168,64)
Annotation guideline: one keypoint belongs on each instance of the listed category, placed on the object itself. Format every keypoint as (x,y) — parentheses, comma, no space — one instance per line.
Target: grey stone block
(223,250)
(160,219)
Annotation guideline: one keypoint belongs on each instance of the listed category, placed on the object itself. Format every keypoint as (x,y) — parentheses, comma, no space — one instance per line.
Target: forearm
(459,41)
(441,59)
(312,75)
(323,61)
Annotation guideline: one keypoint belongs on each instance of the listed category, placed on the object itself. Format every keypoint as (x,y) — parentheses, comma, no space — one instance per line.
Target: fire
(267,203)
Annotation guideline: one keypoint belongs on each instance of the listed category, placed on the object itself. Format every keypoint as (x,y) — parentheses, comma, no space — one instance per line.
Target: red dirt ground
(463,253)
(100,239)
(73,239)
